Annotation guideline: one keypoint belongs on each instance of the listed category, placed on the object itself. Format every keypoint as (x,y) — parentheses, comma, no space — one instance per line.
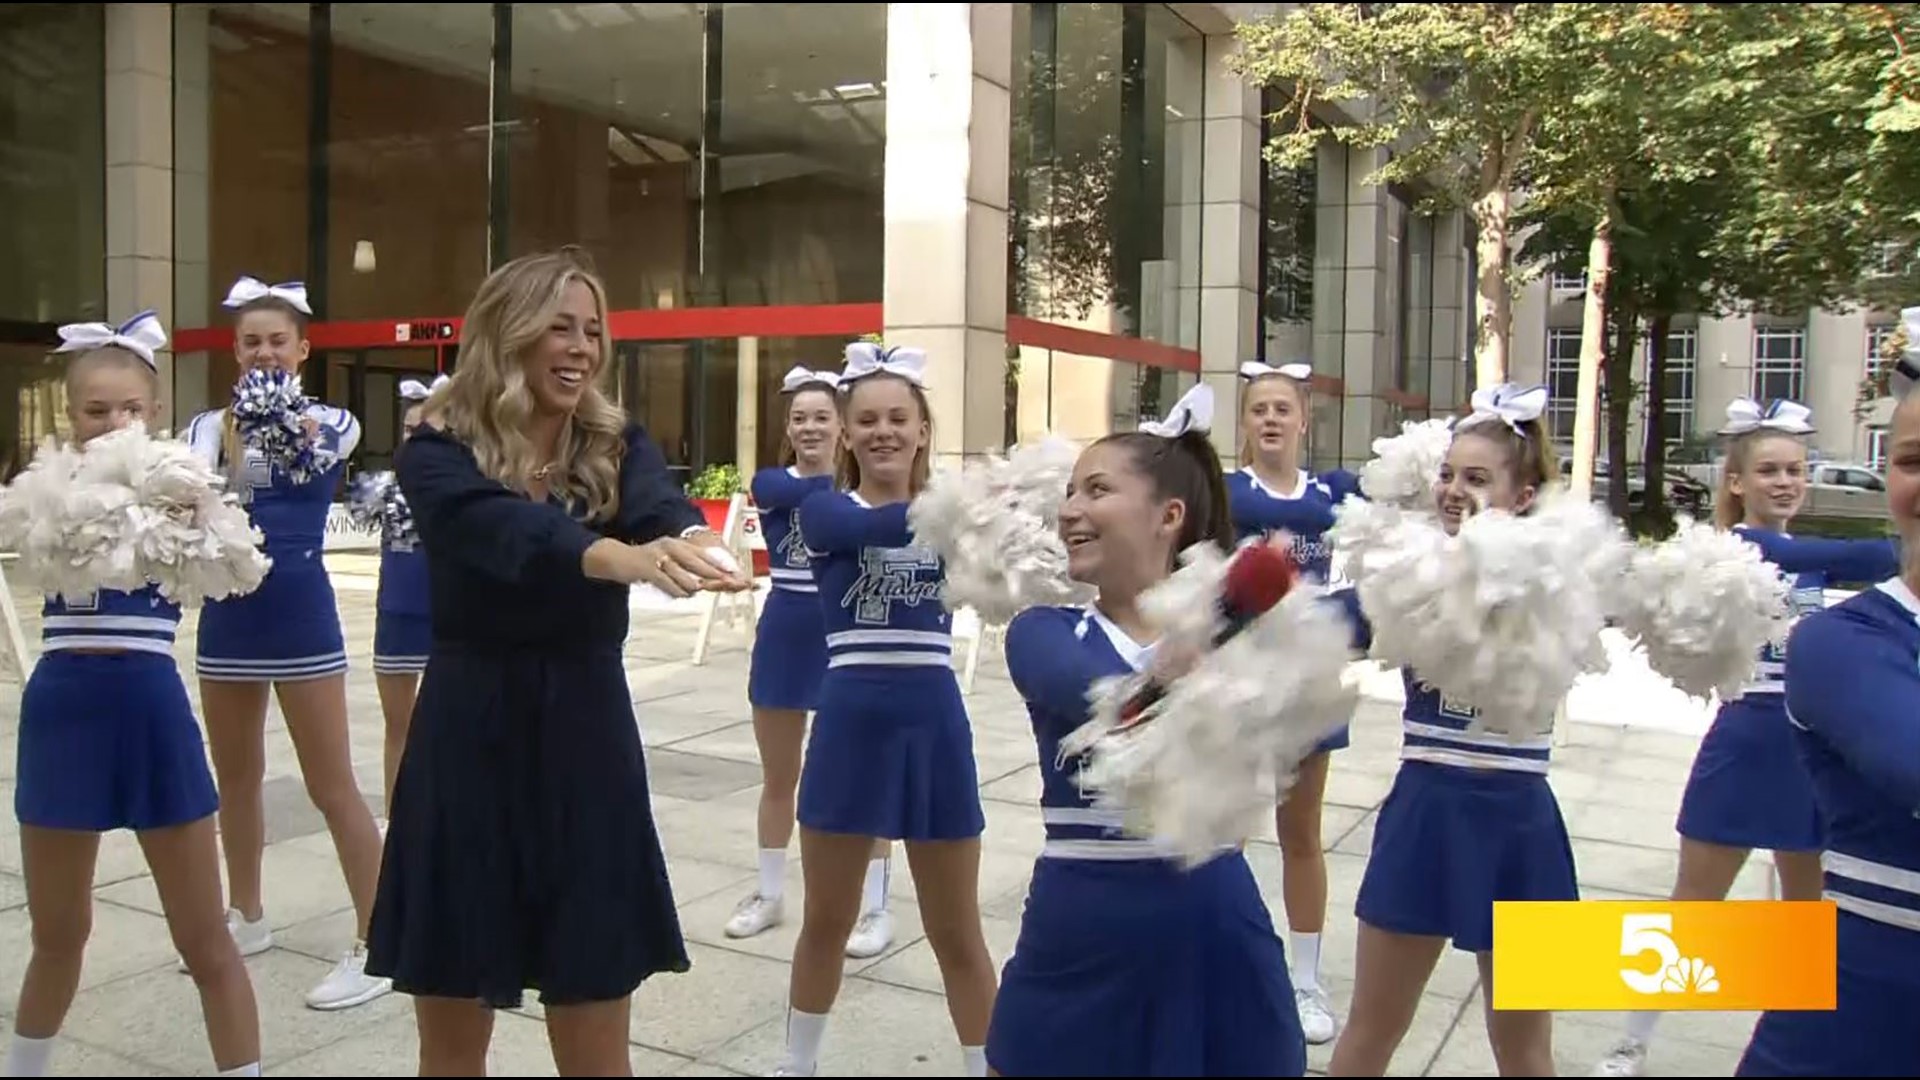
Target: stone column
(139,156)
(1229,238)
(949,72)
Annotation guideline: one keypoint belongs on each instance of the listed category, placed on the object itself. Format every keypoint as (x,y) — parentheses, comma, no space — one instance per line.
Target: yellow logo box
(1606,955)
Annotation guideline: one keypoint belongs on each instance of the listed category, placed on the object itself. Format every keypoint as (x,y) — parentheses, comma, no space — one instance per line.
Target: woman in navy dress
(1128,963)
(402,631)
(285,637)
(891,753)
(108,741)
(1471,819)
(1274,493)
(1749,788)
(1853,698)
(521,849)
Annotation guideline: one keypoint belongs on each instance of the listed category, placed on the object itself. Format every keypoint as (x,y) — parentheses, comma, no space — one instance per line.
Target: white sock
(875,898)
(252,1069)
(976,1059)
(804,1032)
(773,873)
(1306,961)
(1640,1026)
(29,1057)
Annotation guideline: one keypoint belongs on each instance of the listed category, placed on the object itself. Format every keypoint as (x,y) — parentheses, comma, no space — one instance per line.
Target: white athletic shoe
(1627,1058)
(871,935)
(1316,1017)
(348,984)
(756,914)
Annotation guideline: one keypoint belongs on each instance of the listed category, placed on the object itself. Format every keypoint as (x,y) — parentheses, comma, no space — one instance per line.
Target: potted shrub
(713,491)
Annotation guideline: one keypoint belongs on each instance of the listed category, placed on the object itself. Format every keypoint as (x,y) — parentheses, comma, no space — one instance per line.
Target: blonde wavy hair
(486,404)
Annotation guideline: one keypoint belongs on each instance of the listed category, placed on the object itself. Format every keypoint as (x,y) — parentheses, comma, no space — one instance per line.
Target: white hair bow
(415,390)
(800,376)
(141,335)
(1508,403)
(865,358)
(1254,369)
(1193,412)
(1789,417)
(249,289)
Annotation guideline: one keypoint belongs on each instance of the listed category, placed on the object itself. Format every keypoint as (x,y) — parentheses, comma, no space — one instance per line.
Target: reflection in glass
(1106,157)
(52,162)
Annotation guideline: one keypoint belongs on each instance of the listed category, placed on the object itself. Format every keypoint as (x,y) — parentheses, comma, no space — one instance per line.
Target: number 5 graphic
(1642,934)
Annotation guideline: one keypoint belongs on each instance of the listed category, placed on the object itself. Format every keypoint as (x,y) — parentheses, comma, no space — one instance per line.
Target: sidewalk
(1618,781)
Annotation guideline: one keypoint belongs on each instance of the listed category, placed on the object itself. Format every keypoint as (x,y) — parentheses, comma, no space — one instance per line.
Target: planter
(715,511)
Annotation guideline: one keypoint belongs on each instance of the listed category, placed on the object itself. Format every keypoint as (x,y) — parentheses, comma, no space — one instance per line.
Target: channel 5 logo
(1625,955)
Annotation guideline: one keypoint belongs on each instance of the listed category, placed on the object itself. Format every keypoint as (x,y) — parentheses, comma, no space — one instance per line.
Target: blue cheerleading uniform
(1853,698)
(1127,963)
(1470,820)
(402,626)
(891,751)
(289,628)
(521,848)
(107,736)
(1306,514)
(1748,787)
(790,645)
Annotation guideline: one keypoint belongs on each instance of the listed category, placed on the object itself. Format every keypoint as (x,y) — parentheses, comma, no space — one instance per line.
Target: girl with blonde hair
(521,848)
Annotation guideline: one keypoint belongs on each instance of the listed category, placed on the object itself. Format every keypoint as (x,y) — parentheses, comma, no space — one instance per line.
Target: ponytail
(1184,467)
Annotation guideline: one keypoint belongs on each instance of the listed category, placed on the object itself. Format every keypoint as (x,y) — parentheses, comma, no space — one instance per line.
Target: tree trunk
(1619,382)
(1493,301)
(1593,334)
(1655,455)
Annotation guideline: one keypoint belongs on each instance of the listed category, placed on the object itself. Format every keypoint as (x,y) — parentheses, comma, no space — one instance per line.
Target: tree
(1453,92)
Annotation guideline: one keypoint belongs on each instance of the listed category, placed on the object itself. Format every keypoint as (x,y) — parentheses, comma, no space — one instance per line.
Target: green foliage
(720,481)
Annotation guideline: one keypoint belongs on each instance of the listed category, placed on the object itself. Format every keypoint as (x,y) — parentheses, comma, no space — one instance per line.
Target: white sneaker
(784,1069)
(253,938)
(755,914)
(1316,1018)
(1627,1058)
(871,935)
(348,984)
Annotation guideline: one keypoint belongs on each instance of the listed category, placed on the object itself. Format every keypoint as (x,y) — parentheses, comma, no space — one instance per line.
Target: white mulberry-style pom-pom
(125,511)
(1703,603)
(996,526)
(374,500)
(1406,466)
(1206,764)
(1502,617)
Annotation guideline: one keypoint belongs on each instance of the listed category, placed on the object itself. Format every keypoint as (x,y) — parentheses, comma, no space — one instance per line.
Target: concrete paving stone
(72,1057)
(122,942)
(13,891)
(726,994)
(915,967)
(1433,1022)
(519,1048)
(685,773)
(1579,1042)
(877,1029)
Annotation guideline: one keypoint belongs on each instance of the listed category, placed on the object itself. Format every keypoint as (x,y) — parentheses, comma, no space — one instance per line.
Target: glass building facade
(726,165)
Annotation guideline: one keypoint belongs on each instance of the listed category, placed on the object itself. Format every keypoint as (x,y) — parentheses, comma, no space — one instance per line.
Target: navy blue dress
(521,850)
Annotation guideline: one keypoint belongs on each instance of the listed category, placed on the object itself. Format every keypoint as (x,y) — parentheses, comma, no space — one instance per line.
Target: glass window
(52,162)
(1563,382)
(1779,363)
(1877,337)
(1107,138)
(1679,375)
(1877,448)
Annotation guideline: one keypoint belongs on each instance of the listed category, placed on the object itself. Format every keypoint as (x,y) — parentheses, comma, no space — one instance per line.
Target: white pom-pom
(1206,764)
(1406,466)
(1503,616)
(125,511)
(996,526)
(1703,603)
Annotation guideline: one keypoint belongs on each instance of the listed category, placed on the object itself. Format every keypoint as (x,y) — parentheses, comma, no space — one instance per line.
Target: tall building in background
(1065,204)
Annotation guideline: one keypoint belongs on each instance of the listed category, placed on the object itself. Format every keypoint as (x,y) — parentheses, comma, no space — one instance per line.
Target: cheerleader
(1470,819)
(402,632)
(1853,698)
(108,741)
(286,636)
(1272,493)
(1749,789)
(789,658)
(521,848)
(1129,964)
(891,754)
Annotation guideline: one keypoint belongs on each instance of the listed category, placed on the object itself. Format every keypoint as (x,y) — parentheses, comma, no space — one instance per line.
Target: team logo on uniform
(793,548)
(889,576)
(257,471)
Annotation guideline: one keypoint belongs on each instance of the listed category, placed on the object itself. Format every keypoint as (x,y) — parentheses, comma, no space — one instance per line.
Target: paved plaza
(1618,774)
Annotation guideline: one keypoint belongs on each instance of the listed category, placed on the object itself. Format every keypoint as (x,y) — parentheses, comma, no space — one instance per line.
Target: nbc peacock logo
(1674,973)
